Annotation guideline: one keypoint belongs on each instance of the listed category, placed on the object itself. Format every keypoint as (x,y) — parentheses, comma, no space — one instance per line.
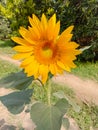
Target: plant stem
(49,92)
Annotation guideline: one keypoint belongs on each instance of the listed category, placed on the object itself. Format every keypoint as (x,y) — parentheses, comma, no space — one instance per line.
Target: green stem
(40,82)
(49,92)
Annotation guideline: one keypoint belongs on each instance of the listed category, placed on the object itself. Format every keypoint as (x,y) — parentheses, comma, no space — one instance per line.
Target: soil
(85,90)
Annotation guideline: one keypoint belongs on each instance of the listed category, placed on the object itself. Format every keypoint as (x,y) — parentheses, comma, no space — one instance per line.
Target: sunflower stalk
(49,92)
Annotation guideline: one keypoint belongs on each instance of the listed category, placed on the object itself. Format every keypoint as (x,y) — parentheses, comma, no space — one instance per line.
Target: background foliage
(81,13)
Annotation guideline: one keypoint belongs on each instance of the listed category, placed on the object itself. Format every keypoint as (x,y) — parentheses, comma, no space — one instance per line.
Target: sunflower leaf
(66,123)
(17,80)
(61,95)
(15,101)
(46,117)
(62,105)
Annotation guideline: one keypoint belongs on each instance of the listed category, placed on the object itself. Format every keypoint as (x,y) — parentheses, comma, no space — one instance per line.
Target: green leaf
(17,80)
(15,102)
(65,123)
(46,117)
(62,105)
(61,95)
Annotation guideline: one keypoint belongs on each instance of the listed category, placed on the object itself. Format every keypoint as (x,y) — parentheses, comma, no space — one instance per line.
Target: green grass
(87,70)
(6,47)
(87,116)
(6,68)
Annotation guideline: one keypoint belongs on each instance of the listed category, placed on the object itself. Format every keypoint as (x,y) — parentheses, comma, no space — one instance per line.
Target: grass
(6,68)
(87,116)
(6,47)
(87,70)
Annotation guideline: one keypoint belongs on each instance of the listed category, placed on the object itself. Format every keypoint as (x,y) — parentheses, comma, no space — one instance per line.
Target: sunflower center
(47,52)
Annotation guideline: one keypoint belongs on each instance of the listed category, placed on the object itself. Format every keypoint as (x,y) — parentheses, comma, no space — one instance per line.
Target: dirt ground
(85,90)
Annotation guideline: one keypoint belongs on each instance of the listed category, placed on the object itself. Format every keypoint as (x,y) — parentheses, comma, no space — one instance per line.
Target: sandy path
(86,90)
(7,58)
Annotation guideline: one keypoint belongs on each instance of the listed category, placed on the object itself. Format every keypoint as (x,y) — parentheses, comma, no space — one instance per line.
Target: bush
(5,29)
(81,13)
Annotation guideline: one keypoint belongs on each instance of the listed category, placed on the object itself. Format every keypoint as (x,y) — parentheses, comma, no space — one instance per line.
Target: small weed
(6,68)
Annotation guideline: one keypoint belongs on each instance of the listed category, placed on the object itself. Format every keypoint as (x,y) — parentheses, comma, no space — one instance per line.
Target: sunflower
(42,49)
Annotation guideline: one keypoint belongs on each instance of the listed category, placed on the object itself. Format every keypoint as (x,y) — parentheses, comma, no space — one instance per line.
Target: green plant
(5,29)
(86,117)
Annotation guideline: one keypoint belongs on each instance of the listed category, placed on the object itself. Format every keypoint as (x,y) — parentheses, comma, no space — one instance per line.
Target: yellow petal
(37,23)
(20,41)
(27,61)
(52,20)
(69,29)
(34,22)
(71,45)
(27,35)
(53,69)
(64,67)
(43,71)
(35,30)
(23,31)
(22,55)
(66,35)
(72,65)
(50,27)
(63,38)
(72,52)
(32,69)
(56,30)
(44,22)
(35,33)
(23,48)
(77,52)
(65,58)
(36,27)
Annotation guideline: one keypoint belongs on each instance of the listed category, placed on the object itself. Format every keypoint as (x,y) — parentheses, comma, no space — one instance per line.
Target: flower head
(42,49)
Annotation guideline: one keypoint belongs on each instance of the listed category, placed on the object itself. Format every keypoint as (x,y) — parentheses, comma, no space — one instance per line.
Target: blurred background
(83,14)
